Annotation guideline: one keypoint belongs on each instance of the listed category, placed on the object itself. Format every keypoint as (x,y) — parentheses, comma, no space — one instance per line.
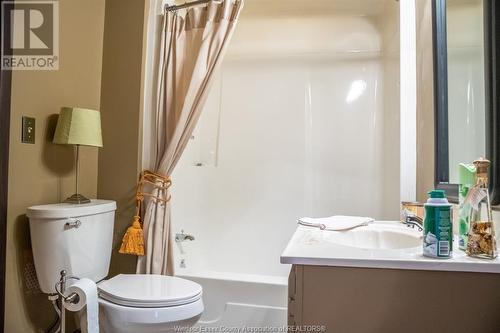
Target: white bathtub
(234,300)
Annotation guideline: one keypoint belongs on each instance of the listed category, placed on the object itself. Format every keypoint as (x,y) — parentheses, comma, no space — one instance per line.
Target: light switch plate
(28,135)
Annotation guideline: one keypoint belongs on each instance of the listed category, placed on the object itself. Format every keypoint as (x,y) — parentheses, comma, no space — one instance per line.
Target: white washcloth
(336,222)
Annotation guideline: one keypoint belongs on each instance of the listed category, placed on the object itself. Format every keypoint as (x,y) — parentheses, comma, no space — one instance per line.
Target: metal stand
(58,301)
(77,198)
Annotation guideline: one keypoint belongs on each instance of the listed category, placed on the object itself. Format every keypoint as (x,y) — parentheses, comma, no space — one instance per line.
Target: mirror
(466,92)
(465,86)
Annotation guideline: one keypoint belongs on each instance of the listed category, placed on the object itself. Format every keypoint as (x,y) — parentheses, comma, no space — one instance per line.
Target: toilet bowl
(148,304)
(78,239)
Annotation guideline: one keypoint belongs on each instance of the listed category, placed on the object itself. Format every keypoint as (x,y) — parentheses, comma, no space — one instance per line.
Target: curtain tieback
(133,240)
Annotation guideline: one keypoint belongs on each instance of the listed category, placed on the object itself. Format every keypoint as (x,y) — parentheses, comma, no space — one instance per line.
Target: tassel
(133,240)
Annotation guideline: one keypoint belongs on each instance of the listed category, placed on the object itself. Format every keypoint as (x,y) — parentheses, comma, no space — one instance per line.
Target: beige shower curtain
(191,49)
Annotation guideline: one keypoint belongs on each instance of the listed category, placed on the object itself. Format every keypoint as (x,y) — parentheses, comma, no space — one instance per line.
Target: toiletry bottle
(438,227)
(481,240)
(466,179)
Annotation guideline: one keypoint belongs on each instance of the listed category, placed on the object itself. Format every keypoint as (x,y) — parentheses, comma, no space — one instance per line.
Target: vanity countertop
(312,246)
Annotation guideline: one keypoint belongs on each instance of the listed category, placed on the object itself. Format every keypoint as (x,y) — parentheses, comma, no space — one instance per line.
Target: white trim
(408,114)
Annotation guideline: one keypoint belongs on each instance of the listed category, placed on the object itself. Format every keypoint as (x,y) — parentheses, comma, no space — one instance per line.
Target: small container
(438,227)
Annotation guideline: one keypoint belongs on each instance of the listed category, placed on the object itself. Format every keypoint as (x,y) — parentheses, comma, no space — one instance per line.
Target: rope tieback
(133,240)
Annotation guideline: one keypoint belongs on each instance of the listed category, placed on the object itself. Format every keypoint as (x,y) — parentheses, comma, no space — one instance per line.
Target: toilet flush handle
(73,223)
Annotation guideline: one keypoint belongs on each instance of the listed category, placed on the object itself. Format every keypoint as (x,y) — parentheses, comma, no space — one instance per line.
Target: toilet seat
(149,291)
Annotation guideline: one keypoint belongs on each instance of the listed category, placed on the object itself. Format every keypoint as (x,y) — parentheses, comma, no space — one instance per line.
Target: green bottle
(438,227)
(466,179)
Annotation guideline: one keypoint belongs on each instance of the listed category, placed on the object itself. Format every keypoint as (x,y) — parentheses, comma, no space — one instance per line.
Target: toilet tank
(76,238)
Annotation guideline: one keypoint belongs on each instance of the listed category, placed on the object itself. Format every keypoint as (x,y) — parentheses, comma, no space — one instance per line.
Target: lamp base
(77,199)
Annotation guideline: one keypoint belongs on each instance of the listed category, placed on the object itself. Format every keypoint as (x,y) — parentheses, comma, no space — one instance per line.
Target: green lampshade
(77,126)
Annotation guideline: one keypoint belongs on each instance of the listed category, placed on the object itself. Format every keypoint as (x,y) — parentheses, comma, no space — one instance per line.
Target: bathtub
(235,300)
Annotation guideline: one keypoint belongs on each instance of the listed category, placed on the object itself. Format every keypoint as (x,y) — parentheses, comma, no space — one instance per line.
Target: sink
(381,245)
(378,235)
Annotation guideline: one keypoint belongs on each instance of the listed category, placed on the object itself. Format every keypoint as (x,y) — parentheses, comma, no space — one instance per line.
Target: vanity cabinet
(373,300)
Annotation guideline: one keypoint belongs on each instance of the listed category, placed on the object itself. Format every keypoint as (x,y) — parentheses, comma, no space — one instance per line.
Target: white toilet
(78,239)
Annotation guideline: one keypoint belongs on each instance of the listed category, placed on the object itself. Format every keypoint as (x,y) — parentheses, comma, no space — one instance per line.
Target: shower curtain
(191,49)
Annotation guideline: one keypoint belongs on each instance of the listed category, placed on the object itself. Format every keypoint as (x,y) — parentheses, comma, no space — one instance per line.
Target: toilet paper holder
(60,298)
(71,298)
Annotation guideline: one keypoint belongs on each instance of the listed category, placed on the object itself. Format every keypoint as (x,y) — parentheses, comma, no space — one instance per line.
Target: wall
(301,121)
(425,100)
(44,173)
(121,102)
(389,26)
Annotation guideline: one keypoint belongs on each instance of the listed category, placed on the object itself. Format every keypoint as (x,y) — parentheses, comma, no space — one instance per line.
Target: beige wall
(44,173)
(389,26)
(425,100)
(120,107)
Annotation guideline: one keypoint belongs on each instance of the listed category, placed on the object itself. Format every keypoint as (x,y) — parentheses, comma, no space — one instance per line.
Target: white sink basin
(381,244)
(380,235)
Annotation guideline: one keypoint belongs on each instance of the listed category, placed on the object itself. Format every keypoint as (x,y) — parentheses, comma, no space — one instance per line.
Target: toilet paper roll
(86,290)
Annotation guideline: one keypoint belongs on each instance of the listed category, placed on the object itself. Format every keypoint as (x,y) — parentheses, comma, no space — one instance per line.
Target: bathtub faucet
(183,237)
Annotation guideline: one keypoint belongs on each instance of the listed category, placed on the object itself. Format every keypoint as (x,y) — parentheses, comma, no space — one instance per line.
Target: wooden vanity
(358,300)
(387,286)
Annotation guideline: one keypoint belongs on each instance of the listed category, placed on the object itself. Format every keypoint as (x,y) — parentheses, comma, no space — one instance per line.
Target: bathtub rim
(233,277)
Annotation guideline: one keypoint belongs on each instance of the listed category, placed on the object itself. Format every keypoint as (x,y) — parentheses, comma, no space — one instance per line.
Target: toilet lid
(142,290)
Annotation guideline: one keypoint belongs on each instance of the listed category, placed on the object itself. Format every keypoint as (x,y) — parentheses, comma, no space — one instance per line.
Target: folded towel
(336,222)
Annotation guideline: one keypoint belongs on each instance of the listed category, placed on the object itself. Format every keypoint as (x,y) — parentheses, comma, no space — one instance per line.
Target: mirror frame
(491,18)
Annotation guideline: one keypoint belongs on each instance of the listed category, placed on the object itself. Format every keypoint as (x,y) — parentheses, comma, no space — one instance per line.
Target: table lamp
(77,126)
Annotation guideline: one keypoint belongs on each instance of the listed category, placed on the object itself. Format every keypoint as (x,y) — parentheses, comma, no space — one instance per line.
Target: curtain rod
(185,5)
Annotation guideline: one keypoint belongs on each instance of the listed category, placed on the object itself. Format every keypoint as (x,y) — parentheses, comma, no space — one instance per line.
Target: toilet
(78,239)
(132,303)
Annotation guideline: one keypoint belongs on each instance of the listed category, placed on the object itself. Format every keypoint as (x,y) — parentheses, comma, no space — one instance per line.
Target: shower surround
(302,120)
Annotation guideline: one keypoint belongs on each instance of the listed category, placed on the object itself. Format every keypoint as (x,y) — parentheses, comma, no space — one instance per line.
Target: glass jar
(481,240)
